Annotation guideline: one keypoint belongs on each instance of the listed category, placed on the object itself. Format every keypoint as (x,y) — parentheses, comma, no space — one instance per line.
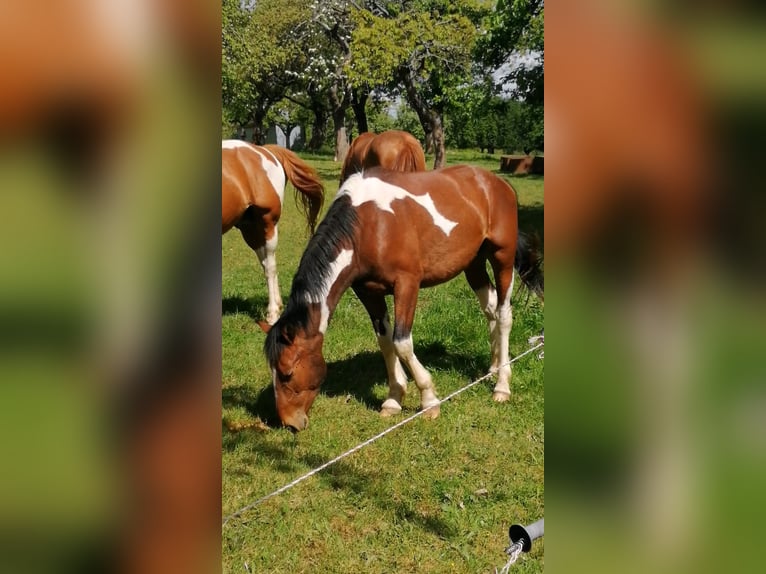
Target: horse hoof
(386,412)
(390,408)
(500,396)
(431,412)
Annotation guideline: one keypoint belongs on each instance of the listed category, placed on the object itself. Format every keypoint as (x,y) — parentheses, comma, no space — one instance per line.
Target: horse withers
(394,233)
(253,180)
(392,149)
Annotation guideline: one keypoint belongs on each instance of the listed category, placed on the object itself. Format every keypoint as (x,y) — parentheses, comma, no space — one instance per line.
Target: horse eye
(284,378)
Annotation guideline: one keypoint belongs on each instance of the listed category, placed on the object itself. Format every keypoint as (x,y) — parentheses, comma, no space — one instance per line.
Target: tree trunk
(339,103)
(430,118)
(341,144)
(359,105)
(259,134)
(318,130)
(438,140)
(318,106)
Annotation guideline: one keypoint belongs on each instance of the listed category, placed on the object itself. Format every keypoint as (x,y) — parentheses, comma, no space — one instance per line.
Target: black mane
(334,233)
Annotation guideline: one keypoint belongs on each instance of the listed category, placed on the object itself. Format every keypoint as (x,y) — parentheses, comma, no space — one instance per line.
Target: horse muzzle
(296,421)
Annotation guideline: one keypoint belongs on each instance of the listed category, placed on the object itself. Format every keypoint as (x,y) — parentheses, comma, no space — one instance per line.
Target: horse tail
(309,191)
(528,263)
(411,158)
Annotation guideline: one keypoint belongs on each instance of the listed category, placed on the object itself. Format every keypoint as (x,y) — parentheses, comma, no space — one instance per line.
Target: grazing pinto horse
(390,232)
(393,149)
(252,192)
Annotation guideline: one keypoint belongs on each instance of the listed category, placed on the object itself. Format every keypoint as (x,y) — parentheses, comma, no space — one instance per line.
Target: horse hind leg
(485,291)
(264,243)
(397,379)
(504,318)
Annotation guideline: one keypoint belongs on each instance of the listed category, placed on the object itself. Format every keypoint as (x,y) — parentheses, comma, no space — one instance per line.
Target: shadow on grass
(255,307)
(342,476)
(261,404)
(355,376)
(358,375)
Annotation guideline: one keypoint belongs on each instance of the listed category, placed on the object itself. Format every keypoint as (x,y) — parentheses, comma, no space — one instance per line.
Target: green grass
(433,496)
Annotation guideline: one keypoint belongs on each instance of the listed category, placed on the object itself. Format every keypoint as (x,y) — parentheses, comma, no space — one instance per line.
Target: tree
(516,40)
(332,19)
(421,47)
(259,55)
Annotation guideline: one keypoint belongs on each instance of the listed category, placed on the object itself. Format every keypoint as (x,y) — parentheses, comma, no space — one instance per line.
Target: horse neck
(320,295)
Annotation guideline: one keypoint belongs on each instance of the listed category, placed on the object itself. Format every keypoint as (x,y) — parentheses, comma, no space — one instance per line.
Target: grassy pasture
(433,496)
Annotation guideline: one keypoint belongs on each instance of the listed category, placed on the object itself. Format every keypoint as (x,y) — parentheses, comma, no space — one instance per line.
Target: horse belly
(444,258)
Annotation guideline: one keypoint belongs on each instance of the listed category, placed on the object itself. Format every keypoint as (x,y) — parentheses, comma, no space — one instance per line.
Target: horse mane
(335,232)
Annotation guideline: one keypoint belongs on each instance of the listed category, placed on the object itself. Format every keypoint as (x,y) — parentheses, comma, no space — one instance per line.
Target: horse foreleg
(397,379)
(405,299)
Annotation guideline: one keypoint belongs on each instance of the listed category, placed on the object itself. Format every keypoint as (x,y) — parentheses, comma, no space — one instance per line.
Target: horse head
(298,369)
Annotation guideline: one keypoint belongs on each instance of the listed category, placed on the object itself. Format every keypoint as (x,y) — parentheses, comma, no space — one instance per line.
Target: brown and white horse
(392,233)
(253,182)
(392,149)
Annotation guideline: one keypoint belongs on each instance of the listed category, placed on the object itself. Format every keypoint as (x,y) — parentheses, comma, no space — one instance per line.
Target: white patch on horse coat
(362,190)
(342,261)
(231,144)
(270,164)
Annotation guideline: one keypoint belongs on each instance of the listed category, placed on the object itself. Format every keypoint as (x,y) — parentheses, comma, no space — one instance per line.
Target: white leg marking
(267,256)
(504,322)
(488,301)
(397,379)
(405,351)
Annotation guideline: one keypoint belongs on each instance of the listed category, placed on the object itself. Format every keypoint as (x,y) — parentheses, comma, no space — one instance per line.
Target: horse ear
(265,327)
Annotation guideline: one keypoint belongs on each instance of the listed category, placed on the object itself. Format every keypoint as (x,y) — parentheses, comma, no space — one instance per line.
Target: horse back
(430,223)
(396,150)
(250,177)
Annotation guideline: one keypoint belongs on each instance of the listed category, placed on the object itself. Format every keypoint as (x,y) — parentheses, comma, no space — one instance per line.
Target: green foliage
(379,117)
(433,39)
(407,120)
(260,50)
(228,129)
(517,27)
(436,54)
(477,117)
